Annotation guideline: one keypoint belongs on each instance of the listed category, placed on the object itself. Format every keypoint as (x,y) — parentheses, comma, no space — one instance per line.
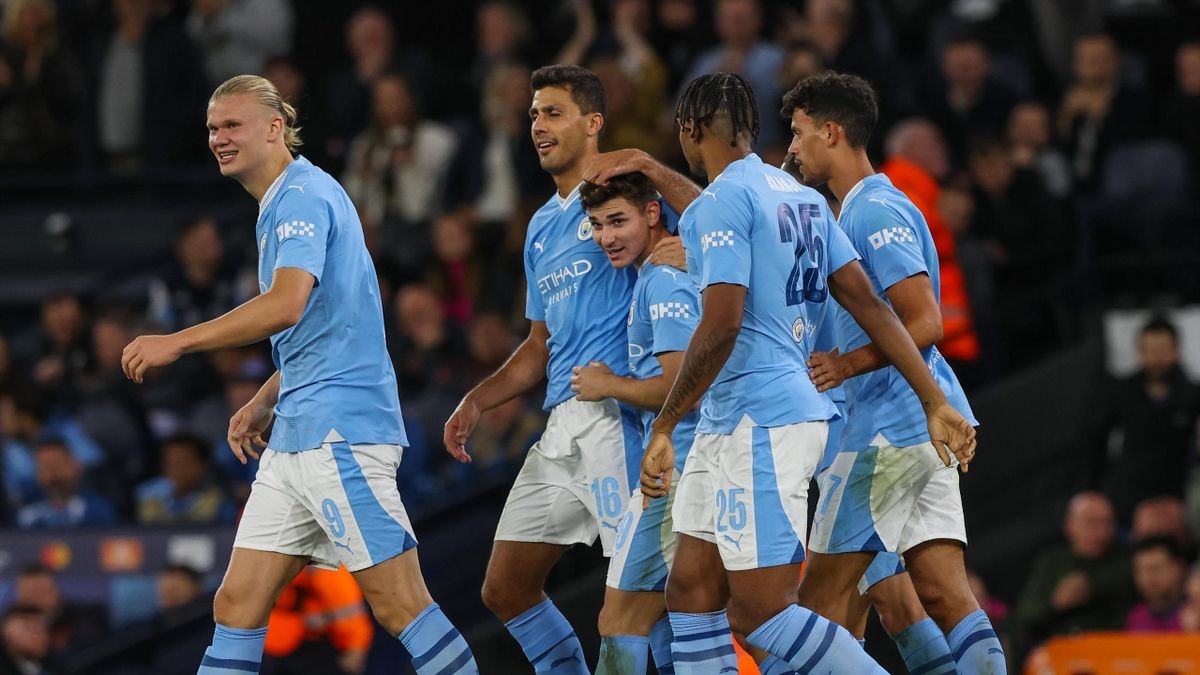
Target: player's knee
(507,600)
(745,616)
(230,609)
(393,619)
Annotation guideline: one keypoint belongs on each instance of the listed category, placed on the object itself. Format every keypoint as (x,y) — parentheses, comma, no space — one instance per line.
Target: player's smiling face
(238,129)
(622,229)
(810,149)
(560,130)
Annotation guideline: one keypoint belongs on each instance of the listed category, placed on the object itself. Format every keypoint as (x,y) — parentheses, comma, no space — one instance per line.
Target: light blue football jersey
(662,317)
(572,287)
(335,373)
(890,233)
(755,226)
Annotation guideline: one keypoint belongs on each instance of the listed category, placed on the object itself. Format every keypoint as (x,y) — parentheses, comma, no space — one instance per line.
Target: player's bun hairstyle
(265,93)
(587,91)
(635,187)
(846,100)
(719,95)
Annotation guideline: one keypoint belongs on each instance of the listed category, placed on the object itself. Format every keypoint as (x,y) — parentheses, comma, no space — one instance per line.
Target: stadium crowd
(1052,147)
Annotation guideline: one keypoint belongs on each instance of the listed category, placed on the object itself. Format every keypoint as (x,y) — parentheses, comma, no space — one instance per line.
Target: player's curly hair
(265,93)
(717,96)
(634,187)
(846,100)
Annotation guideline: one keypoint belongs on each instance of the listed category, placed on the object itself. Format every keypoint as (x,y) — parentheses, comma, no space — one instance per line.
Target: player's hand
(246,429)
(669,251)
(827,370)
(658,462)
(950,432)
(459,427)
(149,351)
(1072,591)
(590,382)
(618,162)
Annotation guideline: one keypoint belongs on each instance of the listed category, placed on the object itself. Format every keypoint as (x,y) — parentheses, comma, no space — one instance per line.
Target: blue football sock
(660,647)
(811,643)
(436,645)
(924,649)
(548,640)
(773,665)
(975,647)
(623,655)
(234,651)
(703,643)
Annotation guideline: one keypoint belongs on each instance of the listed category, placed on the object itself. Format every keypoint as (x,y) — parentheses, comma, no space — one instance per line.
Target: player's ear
(654,213)
(275,128)
(595,123)
(833,133)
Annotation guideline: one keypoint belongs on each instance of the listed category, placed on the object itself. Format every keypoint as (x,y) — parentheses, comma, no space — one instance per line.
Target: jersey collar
(858,187)
(565,202)
(274,189)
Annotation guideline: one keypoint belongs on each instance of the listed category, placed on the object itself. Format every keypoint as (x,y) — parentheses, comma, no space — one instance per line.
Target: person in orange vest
(916,160)
(318,625)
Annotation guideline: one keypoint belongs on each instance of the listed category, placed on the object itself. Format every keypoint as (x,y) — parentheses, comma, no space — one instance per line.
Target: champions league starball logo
(585,229)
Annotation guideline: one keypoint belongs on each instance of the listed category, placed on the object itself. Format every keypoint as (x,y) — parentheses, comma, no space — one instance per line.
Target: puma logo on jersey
(299,187)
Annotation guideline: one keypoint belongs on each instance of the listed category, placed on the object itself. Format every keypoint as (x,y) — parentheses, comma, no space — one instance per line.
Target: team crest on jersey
(585,229)
(799,328)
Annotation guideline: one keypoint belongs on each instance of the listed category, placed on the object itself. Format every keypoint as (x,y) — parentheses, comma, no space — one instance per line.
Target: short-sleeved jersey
(572,287)
(891,235)
(662,317)
(755,226)
(335,373)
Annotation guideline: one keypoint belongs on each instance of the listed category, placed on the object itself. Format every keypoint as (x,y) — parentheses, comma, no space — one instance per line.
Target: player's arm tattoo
(706,355)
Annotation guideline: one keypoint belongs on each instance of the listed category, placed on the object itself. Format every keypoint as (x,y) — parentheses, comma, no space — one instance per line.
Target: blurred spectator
(66,505)
(1161,517)
(1029,137)
(24,423)
(179,587)
(41,89)
(801,60)
(396,168)
(1083,585)
(1183,107)
(7,367)
(59,352)
(237,36)
(917,159)
(467,274)
(314,123)
(490,341)
(957,209)
(110,408)
(239,389)
(1159,570)
(738,25)
(971,103)
(505,433)
(1029,241)
(186,492)
(319,625)
(1189,615)
(496,167)
(1147,424)
(680,34)
(1097,112)
(197,285)
(25,642)
(72,624)
(636,81)
(502,37)
(425,351)
(148,90)
(370,40)
(995,608)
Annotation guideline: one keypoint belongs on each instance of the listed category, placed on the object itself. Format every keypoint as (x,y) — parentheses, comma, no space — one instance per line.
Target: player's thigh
(939,575)
(251,585)
(630,612)
(756,595)
(516,574)
(395,590)
(763,477)
(697,582)
(830,580)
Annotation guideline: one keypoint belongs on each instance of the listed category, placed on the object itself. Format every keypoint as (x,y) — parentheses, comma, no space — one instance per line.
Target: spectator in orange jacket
(318,625)
(917,160)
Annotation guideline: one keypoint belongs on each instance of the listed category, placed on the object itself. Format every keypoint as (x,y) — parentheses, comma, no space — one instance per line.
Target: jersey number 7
(804,283)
